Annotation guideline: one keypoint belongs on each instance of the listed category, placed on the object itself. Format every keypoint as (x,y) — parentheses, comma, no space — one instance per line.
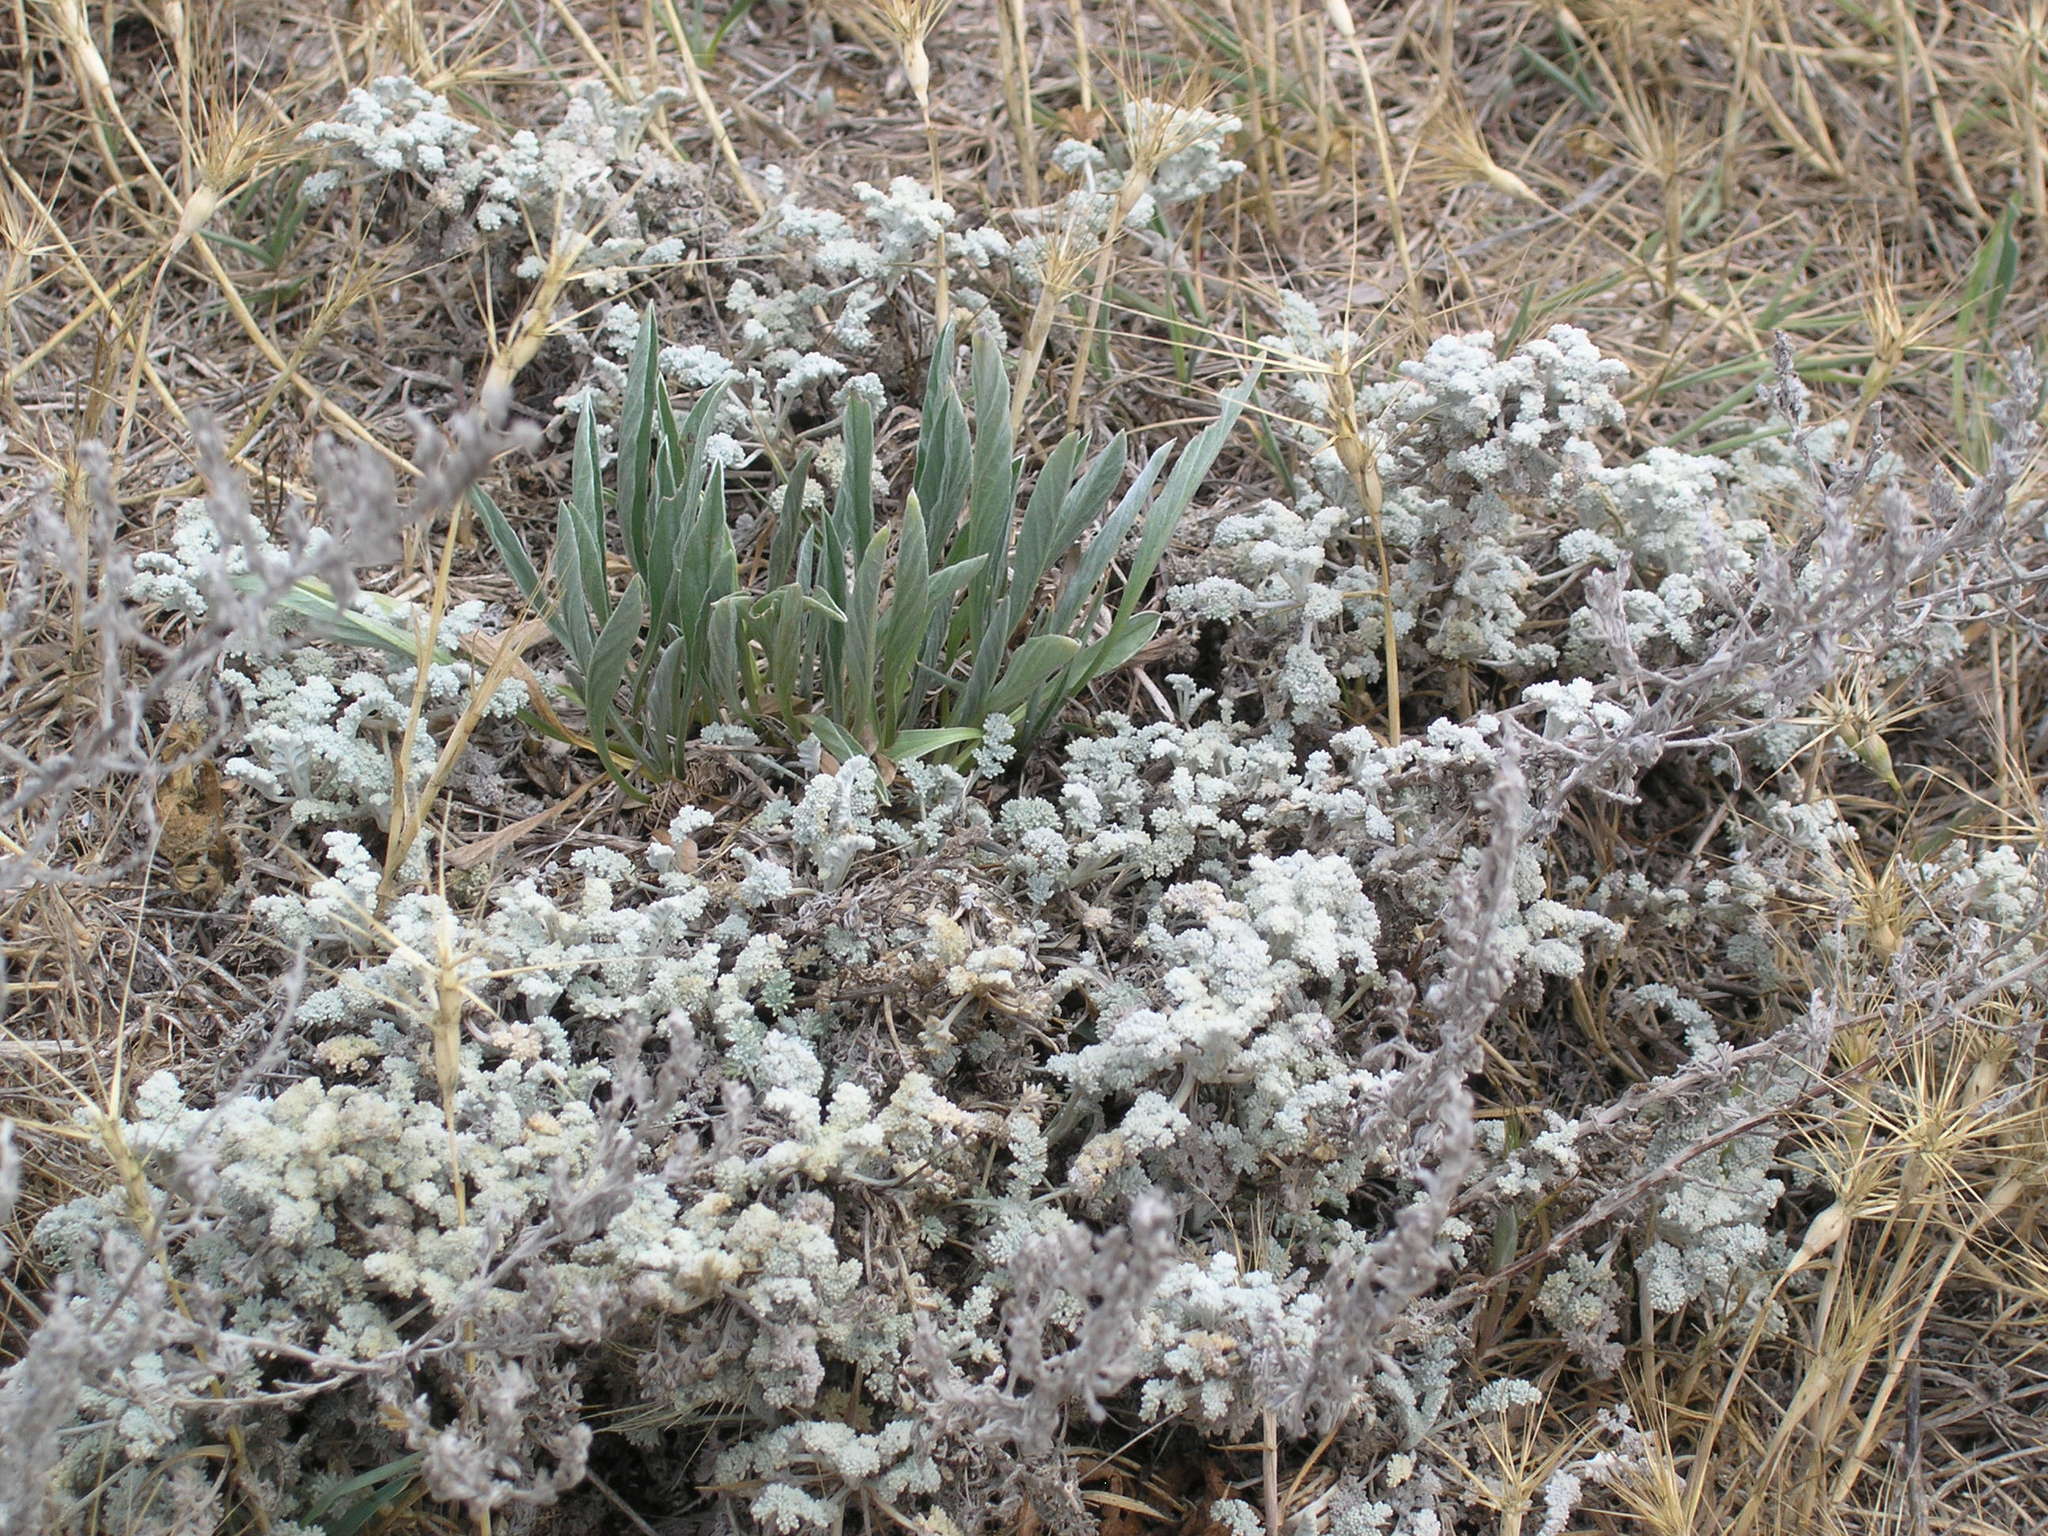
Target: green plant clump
(896,654)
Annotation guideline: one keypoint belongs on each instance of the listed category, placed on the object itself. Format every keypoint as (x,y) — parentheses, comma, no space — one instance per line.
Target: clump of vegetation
(1459,952)
(987,607)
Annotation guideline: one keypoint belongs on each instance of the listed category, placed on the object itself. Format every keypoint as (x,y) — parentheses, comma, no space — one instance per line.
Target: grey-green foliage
(895,638)
(805,1143)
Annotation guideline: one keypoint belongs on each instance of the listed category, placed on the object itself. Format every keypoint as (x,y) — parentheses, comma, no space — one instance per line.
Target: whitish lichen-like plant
(885,1129)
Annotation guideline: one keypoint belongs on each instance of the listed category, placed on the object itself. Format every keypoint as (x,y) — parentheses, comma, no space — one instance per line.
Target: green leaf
(1032,664)
(707,567)
(1085,585)
(729,658)
(670,527)
(1188,472)
(855,685)
(572,623)
(782,547)
(726,23)
(909,746)
(992,496)
(381,1488)
(636,443)
(670,464)
(903,632)
(1985,289)
(672,710)
(586,518)
(607,669)
(788,657)
(1090,495)
(1038,533)
(824,607)
(835,740)
(1992,273)
(696,432)
(944,447)
(510,547)
(854,508)
(935,661)
(388,626)
(1125,639)
(1113,651)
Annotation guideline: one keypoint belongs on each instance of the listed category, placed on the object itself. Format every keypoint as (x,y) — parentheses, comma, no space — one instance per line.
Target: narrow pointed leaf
(636,444)
(992,498)
(1085,502)
(1112,652)
(854,509)
(1031,665)
(607,668)
(855,706)
(1165,515)
(586,515)
(909,746)
(729,658)
(903,631)
(572,623)
(789,525)
(944,448)
(671,708)
(787,672)
(835,739)
(1038,534)
(510,547)
(1082,596)
(1125,639)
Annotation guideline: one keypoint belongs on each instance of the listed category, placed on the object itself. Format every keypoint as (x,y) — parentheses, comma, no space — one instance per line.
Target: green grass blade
(1085,585)
(1032,665)
(636,445)
(1165,515)
(586,516)
(608,661)
(944,447)
(854,705)
(903,631)
(909,746)
(834,739)
(854,508)
(510,547)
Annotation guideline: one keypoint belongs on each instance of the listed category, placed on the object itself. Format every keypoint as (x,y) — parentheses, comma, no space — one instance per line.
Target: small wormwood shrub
(883,1153)
(892,658)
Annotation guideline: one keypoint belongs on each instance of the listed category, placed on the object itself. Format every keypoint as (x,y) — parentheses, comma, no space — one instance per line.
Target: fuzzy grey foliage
(1366,1291)
(232,602)
(799,1130)
(38,1396)
(1107,1280)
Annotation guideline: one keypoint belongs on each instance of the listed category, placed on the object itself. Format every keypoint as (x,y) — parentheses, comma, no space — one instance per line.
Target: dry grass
(1679,179)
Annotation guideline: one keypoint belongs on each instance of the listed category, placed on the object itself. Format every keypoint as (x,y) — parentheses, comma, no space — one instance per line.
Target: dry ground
(1681,180)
